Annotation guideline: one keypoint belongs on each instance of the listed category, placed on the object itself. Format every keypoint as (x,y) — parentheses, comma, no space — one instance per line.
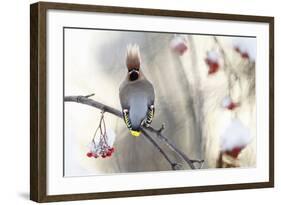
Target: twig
(229,72)
(87,96)
(105,108)
(93,103)
(226,60)
(174,165)
(159,134)
(161,128)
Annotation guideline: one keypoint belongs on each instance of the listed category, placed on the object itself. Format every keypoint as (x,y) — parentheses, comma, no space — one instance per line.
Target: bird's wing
(127,119)
(123,96)
(151,93)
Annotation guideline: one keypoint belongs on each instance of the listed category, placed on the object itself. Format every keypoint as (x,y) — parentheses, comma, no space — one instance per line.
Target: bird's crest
(133,56)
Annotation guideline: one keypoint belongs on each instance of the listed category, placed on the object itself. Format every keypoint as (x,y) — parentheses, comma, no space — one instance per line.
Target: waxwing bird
(136,94)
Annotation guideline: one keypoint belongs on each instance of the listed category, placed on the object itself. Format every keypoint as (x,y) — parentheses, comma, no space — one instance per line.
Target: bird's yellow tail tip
(135,133)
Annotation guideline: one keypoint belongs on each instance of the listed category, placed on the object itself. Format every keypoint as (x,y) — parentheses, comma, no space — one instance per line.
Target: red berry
(89,154)
(234,152)
(103,155)
(232,106)
(245,55)
(181,48)
(237,49)
(213,66)
(111,149)
(108,153)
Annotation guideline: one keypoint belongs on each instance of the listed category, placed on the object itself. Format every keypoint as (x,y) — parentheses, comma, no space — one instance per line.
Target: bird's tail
(135,133)
(133,56)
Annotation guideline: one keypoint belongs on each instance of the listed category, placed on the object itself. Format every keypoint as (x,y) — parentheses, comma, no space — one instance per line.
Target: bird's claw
(144,123)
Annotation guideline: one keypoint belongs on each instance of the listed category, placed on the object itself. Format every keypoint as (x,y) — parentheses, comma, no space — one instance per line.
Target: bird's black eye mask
(134,74)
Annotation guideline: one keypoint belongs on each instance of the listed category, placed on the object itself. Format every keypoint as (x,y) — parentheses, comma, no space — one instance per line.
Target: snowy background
(192,101)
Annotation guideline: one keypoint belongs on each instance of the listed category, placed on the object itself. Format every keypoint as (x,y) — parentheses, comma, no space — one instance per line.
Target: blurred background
(196,79)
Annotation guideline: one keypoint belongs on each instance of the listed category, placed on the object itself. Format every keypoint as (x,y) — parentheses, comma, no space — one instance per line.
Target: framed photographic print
(133,102)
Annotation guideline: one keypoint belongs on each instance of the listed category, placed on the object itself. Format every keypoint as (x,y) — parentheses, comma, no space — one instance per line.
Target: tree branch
(85,100)
(174,165)
(226,59)
(190,162)
(93,103)
(230,70)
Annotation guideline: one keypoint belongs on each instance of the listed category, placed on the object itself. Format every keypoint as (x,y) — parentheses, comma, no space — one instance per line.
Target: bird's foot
(144,123)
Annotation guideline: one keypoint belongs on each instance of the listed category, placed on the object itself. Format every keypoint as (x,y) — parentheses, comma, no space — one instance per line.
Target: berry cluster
(105,151)
(102,142)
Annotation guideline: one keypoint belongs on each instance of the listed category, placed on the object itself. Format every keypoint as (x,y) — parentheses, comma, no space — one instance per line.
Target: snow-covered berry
(235,138)
(212,60)
(234,152)
(229,104)
(102,142)
(178,45)
(246,47)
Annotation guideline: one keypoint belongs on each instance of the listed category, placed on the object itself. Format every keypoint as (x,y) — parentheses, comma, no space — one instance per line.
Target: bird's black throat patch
(133,75)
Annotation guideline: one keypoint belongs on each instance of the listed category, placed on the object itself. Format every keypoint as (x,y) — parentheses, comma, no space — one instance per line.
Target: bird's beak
(135,133)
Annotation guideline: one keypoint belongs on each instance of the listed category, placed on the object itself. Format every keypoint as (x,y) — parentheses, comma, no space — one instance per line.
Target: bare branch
(85,100)
(161,128)
(87,96)
(174,165)
(190,162)
(227,64)
(105,108)
(226,59)
(93,103)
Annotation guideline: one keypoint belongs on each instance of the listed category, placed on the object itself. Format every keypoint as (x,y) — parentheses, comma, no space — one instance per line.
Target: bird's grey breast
(138,105)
